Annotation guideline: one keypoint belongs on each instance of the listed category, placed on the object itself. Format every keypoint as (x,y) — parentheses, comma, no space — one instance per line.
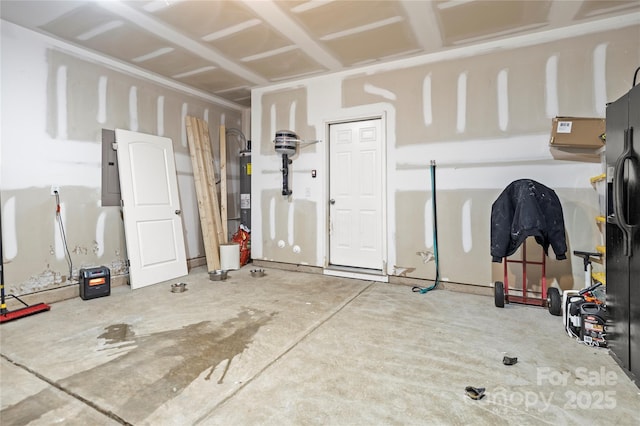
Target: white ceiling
(226,47)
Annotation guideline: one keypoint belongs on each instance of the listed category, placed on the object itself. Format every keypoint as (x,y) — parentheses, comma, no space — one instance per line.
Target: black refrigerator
(622,231)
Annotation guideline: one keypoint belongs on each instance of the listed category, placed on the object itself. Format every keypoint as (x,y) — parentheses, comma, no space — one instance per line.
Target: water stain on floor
(153,368)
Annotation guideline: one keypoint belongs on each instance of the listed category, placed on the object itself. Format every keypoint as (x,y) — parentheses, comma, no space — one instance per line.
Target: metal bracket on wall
(307,143)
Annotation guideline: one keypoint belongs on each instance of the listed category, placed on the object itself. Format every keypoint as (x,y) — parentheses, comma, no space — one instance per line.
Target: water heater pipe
(285,175)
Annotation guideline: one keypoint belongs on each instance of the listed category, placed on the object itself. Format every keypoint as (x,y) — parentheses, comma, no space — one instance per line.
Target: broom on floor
(5,314)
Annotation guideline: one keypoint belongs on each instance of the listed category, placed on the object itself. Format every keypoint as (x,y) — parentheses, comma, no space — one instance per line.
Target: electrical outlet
(54,189)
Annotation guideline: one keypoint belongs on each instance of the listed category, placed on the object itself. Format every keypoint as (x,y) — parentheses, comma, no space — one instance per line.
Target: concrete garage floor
(295,348)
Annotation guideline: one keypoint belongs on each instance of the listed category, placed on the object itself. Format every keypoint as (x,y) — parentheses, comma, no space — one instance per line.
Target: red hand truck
(549,298)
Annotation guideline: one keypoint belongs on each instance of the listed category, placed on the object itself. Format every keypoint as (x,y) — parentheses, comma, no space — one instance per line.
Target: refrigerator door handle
(619,199)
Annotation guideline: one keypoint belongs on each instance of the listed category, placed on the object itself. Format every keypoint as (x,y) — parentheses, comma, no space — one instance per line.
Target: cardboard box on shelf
(583,155)
(578,132)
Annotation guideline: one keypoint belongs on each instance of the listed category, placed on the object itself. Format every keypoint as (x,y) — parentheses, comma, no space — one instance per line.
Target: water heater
(245,186)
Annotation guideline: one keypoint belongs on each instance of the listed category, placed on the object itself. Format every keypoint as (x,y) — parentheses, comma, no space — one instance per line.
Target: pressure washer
(584,312)
(585,316)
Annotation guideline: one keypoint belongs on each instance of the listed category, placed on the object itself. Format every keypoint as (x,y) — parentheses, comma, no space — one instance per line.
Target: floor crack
(69,392)
(286,351)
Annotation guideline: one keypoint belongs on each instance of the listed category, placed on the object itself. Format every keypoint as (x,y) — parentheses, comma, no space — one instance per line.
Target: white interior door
(355,194)
(151,208)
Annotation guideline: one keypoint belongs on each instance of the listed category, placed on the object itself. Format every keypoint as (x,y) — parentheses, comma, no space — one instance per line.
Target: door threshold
(357,273)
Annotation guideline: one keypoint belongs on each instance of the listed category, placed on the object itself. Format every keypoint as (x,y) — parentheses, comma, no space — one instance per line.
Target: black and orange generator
(94,282)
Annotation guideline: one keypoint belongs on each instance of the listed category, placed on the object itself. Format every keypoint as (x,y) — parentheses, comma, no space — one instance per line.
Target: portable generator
(95,282)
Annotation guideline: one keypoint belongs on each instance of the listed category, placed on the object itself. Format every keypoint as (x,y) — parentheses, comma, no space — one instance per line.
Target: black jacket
(527,208)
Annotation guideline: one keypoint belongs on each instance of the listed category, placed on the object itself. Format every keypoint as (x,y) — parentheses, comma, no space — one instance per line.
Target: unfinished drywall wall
(482,113)
(55,103)
(288,220)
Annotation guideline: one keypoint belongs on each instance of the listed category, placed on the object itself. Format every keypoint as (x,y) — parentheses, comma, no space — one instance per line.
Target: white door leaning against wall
(355,194)
(151,208)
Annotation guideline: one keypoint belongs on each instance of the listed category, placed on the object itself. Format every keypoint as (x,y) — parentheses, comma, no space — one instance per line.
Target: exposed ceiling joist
(272,14)
(175,37)
(225,48)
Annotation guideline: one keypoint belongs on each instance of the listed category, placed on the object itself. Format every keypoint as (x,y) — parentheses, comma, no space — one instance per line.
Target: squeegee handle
(3,306)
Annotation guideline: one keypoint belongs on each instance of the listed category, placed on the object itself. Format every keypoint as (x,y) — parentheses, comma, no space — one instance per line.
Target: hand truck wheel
(498,294)
(554,301)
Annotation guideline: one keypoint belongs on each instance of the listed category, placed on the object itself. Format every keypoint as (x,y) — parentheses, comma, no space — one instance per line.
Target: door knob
(178,211)
(332,201)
